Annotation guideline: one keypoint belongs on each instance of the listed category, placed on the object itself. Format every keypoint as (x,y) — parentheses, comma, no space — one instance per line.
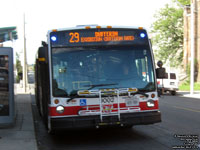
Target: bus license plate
(132,101)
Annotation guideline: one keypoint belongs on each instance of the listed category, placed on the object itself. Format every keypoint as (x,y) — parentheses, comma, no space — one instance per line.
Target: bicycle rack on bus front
(103,109)
(108,109)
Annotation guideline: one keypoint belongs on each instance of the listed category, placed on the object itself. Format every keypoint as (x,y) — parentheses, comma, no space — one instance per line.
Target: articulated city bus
(94,76)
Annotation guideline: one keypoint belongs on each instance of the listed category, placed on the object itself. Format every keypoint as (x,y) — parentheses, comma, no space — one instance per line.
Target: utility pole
(25,63)
(192,49)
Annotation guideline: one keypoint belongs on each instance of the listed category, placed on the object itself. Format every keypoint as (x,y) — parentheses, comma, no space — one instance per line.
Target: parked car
(169,83)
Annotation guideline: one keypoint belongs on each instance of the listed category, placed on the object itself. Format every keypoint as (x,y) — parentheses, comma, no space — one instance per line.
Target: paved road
(180,124)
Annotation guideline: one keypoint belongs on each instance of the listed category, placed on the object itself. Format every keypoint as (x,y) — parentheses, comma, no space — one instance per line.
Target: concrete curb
(187,94)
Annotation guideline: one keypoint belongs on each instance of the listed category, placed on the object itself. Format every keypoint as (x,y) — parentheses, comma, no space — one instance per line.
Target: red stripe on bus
(73,110)
(143,106)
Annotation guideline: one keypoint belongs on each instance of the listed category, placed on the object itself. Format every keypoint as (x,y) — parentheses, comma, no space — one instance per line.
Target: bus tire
(45,114)
(38,103)
(128,126)
(49,128)
(173,93)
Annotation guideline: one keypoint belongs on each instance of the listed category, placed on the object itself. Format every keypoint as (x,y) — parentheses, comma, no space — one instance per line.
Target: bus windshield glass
(85,68)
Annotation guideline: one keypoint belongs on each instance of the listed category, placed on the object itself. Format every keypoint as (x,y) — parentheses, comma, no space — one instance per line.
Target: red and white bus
(94,76)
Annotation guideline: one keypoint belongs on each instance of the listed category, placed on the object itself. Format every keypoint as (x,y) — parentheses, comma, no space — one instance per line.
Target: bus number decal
(74,37)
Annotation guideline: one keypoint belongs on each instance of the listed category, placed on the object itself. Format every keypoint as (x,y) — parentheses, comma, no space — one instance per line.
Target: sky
(44,15)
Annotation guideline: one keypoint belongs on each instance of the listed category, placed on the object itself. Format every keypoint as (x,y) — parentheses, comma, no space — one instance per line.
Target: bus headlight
(60,109)
(150,103)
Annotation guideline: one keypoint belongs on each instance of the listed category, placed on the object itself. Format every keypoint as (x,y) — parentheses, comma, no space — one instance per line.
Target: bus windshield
(85,68)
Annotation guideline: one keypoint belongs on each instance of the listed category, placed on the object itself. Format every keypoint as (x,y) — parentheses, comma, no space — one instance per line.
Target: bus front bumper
(141,118)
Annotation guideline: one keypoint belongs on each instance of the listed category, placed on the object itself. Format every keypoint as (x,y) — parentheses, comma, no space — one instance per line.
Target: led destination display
(88,37)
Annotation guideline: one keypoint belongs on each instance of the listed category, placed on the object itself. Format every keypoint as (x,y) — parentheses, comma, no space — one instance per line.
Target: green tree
(18,67)
(167,33)
(182,2)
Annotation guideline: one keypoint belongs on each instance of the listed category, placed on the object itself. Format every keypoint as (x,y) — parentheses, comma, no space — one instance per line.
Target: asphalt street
(179,129)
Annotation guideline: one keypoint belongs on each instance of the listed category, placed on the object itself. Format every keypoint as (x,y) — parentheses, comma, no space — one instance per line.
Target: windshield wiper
(99,85)
(142,93)
(72,97)
(148,88)
(92,86)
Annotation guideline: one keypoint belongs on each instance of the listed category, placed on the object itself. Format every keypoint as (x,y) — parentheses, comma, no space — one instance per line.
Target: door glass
(4,90)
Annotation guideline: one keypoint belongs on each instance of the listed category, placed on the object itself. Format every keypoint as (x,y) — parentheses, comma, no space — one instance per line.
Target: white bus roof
(93,26)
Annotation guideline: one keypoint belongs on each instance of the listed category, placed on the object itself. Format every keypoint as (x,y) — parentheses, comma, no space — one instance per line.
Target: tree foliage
(18,67)
(182,2)
(167,33)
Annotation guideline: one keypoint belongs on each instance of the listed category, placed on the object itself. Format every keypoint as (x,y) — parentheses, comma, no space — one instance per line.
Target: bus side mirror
(43,54)
(160,72)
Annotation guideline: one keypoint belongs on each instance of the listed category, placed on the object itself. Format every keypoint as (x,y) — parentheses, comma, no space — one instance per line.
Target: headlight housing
(60,109)
(150,103)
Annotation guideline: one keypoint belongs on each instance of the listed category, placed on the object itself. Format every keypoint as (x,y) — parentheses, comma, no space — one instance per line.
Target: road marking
(187,109)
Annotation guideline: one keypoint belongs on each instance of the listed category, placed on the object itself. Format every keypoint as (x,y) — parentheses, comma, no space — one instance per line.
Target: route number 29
(74,37)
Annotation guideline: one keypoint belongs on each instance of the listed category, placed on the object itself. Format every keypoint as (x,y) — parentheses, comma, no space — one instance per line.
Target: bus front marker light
(150,103)
(98,27)
(54,30)
(60,109)
(87,27)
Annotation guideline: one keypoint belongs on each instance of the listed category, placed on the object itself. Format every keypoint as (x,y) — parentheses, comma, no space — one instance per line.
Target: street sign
(7,34)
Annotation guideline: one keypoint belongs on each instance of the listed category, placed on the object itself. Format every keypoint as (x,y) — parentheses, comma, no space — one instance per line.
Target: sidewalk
(196,94)
(22,135)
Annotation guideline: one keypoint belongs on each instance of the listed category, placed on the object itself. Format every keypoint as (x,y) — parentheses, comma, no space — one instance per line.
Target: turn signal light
(153,95)
(56,101)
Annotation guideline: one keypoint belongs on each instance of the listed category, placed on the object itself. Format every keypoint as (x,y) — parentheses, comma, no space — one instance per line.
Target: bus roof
(93,26)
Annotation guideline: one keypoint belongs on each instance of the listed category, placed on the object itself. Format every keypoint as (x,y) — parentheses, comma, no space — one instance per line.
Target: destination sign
(87,37)
(103,36)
